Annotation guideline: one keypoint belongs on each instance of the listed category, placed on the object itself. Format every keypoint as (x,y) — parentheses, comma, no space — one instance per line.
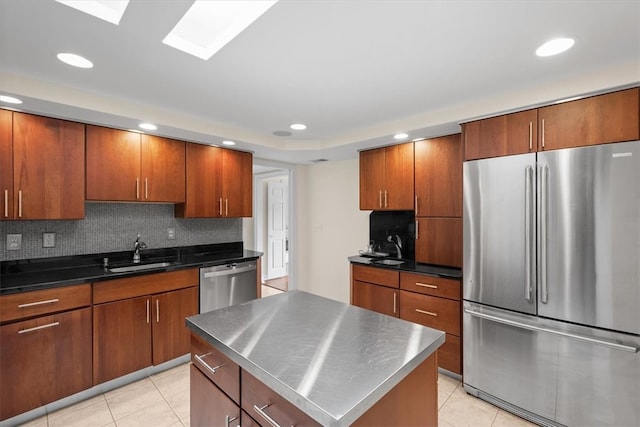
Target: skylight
(209,25)
(108,10)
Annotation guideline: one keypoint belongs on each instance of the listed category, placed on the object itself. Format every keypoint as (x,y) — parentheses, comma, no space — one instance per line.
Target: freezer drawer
(569,374)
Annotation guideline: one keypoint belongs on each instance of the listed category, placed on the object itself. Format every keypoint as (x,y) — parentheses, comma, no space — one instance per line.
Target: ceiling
(356,72)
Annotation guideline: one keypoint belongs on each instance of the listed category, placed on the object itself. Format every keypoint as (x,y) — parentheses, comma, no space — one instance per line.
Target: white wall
(330,226)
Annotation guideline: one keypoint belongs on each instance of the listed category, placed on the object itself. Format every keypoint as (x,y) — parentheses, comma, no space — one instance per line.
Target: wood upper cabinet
(386,178)
(439,241)
(130,167)
(219,183)
(612,117)
(438,177)
(35,173)
(504,135)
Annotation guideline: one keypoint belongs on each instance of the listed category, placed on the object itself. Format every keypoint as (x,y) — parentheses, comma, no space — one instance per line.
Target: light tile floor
(162,400)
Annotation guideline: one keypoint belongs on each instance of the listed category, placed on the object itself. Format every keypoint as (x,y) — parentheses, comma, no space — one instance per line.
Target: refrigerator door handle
(544,189)
(528,241)
(516,324)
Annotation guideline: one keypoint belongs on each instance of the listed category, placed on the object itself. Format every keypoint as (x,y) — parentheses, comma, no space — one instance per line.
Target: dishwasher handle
(230,269)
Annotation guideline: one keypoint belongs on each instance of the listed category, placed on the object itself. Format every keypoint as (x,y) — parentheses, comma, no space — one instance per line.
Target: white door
(276,230)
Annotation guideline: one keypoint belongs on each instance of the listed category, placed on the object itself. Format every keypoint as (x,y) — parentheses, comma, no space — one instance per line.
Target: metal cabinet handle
(263,414)
(543,134)
(395,302)
(146,188)
(386,205)
(157,311)
(6,203)
(37,328)
(220,206)
(426,285)
(137,188)
(416,205)
(380,198)
(226,207)
(206,365)
(544,297)
(430,313)
(530,136)
(528,241)
(228,419)
(417,231)
(147,311)
(31,304)
(19,203)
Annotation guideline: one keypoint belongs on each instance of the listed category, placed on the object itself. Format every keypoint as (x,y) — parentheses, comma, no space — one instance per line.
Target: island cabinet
(375,289)
(219,183)
(35,178)
(131,167)
(45,351)
(386,178)
(139,321)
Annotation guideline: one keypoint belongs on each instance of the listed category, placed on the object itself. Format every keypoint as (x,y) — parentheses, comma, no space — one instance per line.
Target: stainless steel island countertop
(332,360)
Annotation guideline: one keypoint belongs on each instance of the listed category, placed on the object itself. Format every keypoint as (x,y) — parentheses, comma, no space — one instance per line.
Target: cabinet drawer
(449,354)
(131,287)
(217,367)
(437,313)
(373,297)
(36,303)
(379,276)
(261,402)
(429,285)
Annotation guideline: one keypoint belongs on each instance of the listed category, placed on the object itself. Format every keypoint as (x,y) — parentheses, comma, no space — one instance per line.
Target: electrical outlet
(171,233)
(14,242)
(48,240)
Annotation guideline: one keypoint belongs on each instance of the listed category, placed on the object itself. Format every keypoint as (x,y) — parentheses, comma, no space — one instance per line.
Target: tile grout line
(104,396)
(166,400)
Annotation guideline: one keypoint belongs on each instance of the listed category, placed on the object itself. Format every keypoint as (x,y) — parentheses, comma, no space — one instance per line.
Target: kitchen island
(297,358)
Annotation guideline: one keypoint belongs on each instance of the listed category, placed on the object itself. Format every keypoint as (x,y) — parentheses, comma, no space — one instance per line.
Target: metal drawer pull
(206,365)
(20,204)
(430,313)
(50,325)
(6,203)
(426,285)
(137,188)
(31,304)
(228,419)
(157,311)
(147,311)
(260,410)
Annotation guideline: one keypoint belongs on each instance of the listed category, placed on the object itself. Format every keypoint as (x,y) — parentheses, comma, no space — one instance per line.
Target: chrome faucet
(397,242)
(137,246)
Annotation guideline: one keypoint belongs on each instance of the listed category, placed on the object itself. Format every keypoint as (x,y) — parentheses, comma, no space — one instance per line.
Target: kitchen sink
(138,267)
(389,261)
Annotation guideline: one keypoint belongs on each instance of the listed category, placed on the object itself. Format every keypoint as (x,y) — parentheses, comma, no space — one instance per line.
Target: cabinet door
(237,183)
(43,360)
(48,164)
(163,169)
(612,117)
(398,175)
(380,299)
(209,406)
(6,164)
(504,135)
(203,183)
(439,241)
(113,165)
(438,176)
(371,179)
(121,338)
(171,337)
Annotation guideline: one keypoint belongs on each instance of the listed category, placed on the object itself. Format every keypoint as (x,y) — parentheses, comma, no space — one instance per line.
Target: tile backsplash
(110,227)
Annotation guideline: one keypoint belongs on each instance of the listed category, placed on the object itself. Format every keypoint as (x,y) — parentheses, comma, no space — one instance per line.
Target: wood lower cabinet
(208,404)
(386,178)
(380,299)
(169,332)
(439,241)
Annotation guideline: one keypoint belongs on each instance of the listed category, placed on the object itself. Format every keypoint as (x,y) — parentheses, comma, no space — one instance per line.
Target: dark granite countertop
(410,266)
(42,273)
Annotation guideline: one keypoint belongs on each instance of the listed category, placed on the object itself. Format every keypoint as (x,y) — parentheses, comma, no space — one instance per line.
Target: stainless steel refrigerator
(551,284)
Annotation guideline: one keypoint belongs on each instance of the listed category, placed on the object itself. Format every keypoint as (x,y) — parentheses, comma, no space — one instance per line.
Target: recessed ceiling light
(108,10)
(209,25)
(10,99)
(400,135)
(555,46)
(147,126)
(228,143)
(298,126)
(282,133)
(75,60)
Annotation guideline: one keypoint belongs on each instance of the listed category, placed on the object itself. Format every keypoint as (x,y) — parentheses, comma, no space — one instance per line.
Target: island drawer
(263,404)
(46,301)
(438,313)
(430,285)
(379,276)
(217,367)
(132,287)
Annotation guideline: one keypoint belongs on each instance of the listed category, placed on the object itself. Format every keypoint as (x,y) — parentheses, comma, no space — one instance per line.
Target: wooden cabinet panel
(163,169)
(247,421)
(171,337)
(380,299)
(46,301)
(612,117)
(399,176)
(237,183)
(209,406)
(256,395)
(449,354)
(45,186)
(6,164)
(43,360)
(379,276)
(203,183)
(217,367)
(371,179)
(439,241)
(113,165)
(438,313)
(430,285)
(121,338)
(504,135)
(438,177)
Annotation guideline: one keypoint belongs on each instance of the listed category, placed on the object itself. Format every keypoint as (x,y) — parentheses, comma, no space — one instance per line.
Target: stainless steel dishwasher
(225,285)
